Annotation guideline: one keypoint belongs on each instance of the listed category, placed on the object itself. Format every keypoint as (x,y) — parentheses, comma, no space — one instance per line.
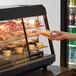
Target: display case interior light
(32,22)
(2,27)
(16,24)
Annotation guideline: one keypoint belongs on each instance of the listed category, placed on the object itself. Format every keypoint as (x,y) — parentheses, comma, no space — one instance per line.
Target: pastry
(28,32)
(13,34)
(11,46)
(2,38)
(44,33)
(7,36)
(3,45)
(14,42)
(31,40)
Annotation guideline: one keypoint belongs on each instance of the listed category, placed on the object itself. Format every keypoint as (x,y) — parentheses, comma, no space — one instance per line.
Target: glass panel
(72,29)
(13,50)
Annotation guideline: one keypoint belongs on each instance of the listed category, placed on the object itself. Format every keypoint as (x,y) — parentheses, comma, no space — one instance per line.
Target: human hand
(58,35)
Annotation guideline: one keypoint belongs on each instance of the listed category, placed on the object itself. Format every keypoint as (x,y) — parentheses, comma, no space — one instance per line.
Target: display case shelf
(25,52)
(40,48)
(22,29)
(36,27)
(31,35)
(72,6)
(71,63)
(72,45)
(72,26)
(17,59)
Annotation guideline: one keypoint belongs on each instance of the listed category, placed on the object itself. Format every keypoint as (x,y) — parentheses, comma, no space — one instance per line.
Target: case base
(37,63)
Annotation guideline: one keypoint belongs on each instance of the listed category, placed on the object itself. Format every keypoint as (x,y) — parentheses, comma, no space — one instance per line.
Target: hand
(58,35)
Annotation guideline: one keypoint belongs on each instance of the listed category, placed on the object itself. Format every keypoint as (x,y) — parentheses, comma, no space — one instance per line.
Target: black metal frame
(21,11)
(63,43)
(26,39)
(50,42)
(28,11)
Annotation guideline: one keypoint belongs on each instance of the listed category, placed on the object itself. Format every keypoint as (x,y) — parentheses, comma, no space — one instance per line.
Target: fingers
(53,37)
(54,31)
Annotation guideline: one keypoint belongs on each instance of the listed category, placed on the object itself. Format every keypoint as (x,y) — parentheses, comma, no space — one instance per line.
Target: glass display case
(21,46)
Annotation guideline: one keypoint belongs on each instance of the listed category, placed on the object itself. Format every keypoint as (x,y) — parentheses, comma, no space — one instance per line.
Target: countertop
(51,70)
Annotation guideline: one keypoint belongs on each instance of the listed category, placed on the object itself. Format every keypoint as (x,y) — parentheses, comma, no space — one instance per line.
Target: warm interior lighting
(2,27)
(32,22)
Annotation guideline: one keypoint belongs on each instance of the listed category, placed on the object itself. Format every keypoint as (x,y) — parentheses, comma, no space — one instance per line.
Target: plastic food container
(39,44)
(31,47)
(19,50)
(7,52)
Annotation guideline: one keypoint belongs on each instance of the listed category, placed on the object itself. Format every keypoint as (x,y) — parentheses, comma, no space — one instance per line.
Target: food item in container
(22,40)
(17,34)
(6,52)
(3,45)
(18,43)
(20,34)
(7,36)
(16,24)
(22,44)
(32,23)
(31,40)
(14,42)
(2,38)
(31,47)
(37,22)
(45,33)
(19,49)
(28,32)
(11,46)
(26,23)
(13,34)
(39,45)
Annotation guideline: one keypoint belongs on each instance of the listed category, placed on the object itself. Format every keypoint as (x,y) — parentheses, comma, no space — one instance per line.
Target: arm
(71,36)
(59,35)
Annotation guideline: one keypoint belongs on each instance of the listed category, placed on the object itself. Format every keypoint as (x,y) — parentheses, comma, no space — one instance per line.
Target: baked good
(31,40)
(6,52)
(28,32)
(11,46)
(3,45)
(44,32)
(39,44)
(2,38)
(13,34)
(7,36)
(14,42)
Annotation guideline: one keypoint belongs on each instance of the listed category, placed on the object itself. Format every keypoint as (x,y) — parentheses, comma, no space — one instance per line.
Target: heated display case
(21,47)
